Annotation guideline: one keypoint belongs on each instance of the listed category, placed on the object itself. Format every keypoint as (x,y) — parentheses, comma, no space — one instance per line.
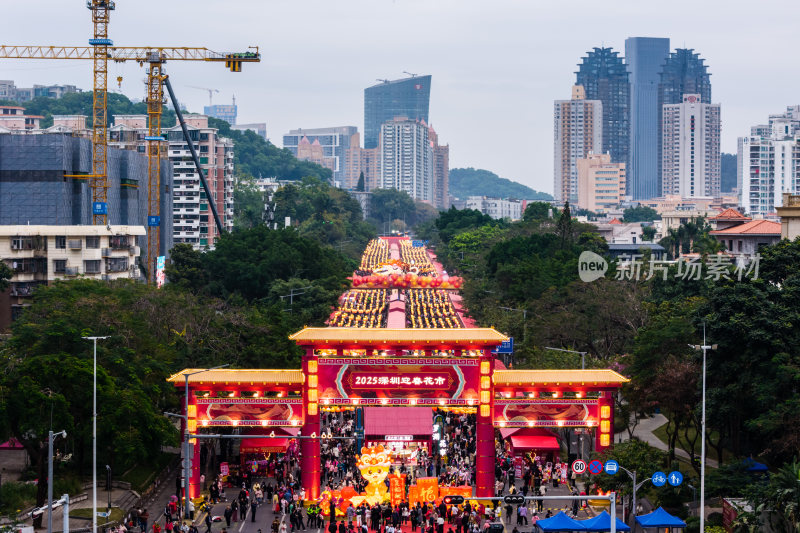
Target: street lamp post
(636,487)
(94,434)
(50,438)
(186,460)
(108,487)
(704,347)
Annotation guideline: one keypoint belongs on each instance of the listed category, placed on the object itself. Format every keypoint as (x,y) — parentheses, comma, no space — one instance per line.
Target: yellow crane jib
(102,50)
(139,54)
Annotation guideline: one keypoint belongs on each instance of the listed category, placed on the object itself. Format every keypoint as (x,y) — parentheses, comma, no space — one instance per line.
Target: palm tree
(785,493)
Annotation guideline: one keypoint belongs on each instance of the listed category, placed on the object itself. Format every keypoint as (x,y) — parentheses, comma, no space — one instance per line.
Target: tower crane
(100,51)
(210,92)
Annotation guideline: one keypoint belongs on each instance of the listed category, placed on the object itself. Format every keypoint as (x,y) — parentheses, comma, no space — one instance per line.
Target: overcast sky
(497,65)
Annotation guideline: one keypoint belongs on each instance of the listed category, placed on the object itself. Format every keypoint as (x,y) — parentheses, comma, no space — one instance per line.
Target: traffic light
(453,500)
(515,499)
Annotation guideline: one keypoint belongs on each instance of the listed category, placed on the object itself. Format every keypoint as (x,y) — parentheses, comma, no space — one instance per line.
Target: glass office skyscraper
(409,97)
(604,77)
(683,73)
(645,57)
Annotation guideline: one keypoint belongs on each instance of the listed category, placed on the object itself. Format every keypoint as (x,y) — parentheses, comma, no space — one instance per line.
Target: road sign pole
(614,512)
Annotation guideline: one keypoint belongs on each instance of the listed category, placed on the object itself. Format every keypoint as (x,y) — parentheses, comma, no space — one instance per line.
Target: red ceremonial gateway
(448,367)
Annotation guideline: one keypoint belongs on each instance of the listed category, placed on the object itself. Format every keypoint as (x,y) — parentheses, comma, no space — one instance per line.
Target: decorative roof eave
(401,336)
(586,378)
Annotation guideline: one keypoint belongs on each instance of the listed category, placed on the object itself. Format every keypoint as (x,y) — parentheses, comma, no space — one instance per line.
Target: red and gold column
(191,419)
(309,447)
(485,451)
(604,437)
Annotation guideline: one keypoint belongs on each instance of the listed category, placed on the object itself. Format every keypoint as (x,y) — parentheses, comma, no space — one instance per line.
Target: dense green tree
(640,213)
(185,268)
(361,185)
(648,233)
(248,204)
(537,211)
(564,226)
(248,263)
(464,182)
(5,274)
(454,221)
(603,317)
(424,212)
(387,205)
(329,215)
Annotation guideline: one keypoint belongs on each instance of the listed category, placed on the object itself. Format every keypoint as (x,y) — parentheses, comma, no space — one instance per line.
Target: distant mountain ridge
(466,182)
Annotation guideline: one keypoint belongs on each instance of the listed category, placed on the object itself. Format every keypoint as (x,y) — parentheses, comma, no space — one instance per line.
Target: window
(92,266)
(22,243)
(93,242)
(116,264)
(60,265)
(61,241)
(118,242)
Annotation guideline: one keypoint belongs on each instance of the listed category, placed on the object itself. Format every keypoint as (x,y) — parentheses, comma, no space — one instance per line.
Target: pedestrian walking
(208,523)
(253,507)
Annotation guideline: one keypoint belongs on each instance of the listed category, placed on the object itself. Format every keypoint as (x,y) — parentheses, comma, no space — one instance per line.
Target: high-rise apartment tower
(603,75)
(409,97)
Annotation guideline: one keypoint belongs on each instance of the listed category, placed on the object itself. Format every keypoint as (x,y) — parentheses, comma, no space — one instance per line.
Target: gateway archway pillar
(310,447)
(485,449)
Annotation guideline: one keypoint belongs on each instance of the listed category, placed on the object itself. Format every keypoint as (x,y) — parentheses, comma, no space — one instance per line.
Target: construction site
(175,181)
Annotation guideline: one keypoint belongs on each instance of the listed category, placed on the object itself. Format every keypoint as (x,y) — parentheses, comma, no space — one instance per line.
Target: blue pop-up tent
(602,522)
(754,466)
(560,522)
(660,518)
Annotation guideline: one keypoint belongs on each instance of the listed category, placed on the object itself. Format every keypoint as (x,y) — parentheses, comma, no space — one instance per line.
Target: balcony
(75,245)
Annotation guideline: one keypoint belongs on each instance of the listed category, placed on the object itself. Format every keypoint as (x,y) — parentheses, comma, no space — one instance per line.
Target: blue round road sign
(659,479)
(595,467)
(611,467)
(675,478)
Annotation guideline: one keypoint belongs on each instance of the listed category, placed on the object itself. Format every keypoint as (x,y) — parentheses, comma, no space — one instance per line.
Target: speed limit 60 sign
(578,466)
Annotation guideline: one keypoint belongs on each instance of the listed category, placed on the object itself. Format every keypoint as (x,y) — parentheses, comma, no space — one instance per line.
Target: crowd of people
(362,309)
(430,308)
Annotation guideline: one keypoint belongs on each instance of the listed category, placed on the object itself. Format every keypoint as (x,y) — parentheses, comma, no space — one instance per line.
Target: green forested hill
(479,182)
(253,156)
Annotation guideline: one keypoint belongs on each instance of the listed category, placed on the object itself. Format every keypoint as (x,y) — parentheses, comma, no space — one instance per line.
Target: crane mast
(101,11)
(100,52)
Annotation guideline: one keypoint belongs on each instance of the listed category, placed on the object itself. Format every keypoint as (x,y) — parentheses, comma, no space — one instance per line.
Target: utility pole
(293,293)
(50,437)
(94,435)
(704,347)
